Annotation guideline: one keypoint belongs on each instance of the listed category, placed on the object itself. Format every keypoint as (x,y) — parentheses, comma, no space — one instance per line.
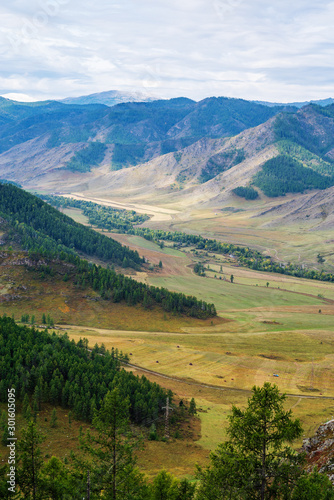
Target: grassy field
(76,214)
(284,329)
(271,330)
(296,243)
(229,361)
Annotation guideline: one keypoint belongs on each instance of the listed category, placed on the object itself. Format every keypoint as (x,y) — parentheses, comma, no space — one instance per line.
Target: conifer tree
(54,418)
(255,462)
(112,449)
(192,407)
(30,462)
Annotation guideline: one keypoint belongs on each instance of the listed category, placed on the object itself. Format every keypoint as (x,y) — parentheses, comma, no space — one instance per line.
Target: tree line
(255,463)
(283,174)
(117,287)
(101,216)
(245,256)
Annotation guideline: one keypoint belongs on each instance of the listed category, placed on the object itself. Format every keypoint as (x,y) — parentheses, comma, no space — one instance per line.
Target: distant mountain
(320,102)
(176,151)
(290,154)
(110,98)
(39,138)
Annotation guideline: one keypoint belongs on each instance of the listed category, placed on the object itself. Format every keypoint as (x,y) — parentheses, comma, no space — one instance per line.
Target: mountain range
(176,151)
(39,138)
(113,97)
(299,104)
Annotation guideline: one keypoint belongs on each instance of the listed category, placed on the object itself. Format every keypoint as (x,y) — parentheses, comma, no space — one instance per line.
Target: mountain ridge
(168,151)
(110,98)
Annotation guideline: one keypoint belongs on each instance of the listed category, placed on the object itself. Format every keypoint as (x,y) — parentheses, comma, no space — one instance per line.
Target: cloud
(16,96)
(254,49)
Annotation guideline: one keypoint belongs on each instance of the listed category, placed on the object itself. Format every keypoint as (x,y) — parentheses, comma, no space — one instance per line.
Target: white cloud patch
(256,50)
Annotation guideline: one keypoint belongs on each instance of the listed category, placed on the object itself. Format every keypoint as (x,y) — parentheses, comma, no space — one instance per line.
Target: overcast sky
(277,51)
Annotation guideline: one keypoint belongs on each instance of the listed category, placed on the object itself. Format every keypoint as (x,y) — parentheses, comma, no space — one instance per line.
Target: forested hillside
(312,128)
(22,122)
(91,156)
(53,369)
(42,230)
(284,174)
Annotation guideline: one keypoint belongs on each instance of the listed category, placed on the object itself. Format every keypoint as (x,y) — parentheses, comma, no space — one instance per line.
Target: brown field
(69,305)
(172,264)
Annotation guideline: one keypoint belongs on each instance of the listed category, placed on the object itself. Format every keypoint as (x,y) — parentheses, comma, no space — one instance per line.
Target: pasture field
(270,330)
(76,214)
(281,332)
(296,243)
(189,363)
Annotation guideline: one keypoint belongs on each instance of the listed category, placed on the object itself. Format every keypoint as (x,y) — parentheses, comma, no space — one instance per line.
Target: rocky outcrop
(319,450)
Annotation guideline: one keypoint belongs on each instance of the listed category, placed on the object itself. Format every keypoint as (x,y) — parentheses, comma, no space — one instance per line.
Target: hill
(178,153)
(41,230)
(42,365)
(299,104)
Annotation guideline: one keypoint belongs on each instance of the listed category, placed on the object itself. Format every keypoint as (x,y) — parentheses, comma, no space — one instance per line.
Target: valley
(269,328)
(131,265)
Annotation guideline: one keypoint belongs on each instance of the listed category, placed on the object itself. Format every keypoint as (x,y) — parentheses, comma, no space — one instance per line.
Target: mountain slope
(43,232)
(176,178)
(299,104)
(202,162)
(49,134)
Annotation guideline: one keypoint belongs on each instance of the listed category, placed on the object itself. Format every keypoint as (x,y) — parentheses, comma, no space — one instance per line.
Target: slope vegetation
(43,230)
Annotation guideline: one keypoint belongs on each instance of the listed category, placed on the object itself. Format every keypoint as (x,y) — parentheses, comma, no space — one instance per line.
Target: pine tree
(57,481)
(164,487)
(25,404)
(186,490)
(54,418)
(255,462)
(112,448)
(30,462)
(192,407)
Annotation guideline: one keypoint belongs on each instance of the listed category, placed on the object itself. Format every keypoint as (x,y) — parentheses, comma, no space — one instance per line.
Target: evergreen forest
(44,231)
(283,174)
(52,369)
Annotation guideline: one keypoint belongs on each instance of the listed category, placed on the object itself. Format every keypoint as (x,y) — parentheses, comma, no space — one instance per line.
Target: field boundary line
(216,387)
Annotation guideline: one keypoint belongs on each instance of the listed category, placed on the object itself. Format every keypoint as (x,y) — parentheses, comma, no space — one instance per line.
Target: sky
(279,51)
